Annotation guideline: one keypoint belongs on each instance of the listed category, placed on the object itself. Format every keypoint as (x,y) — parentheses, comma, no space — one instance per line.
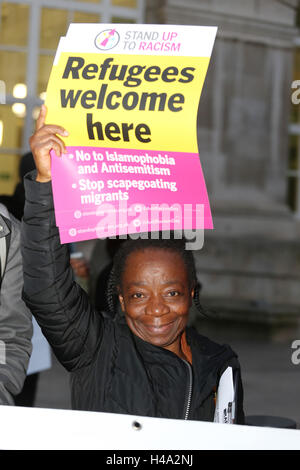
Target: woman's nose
(157,307)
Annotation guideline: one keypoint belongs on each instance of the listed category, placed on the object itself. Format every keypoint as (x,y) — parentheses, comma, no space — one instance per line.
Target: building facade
(250,264)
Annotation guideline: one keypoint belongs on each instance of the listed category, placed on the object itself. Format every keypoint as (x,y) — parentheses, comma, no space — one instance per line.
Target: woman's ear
(192,295)
(122,303)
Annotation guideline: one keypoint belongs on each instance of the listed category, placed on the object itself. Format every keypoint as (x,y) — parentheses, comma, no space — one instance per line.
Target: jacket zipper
(188,398)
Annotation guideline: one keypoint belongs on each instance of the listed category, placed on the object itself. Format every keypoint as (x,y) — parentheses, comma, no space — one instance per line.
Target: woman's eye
(173,293)
(137,295)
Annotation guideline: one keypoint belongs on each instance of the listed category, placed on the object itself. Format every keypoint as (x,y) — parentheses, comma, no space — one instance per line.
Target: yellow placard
(127,101)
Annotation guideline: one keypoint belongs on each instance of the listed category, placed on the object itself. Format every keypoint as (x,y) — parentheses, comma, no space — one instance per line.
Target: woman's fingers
(41,118)
(42,149)
(45,139)
(51,129)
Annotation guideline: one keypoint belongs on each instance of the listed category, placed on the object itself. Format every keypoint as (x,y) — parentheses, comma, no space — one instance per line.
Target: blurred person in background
(15,318)
(40,359)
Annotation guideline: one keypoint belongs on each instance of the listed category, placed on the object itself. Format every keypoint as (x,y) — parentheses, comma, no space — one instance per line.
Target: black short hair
(130,246)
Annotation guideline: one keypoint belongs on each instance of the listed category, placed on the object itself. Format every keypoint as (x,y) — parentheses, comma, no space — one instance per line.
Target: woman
(147,362)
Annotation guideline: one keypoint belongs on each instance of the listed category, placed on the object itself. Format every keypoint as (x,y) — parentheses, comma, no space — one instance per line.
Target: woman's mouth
(159,328)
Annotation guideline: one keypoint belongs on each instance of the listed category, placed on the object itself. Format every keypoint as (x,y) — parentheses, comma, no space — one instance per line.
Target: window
(29,34)
(293,166)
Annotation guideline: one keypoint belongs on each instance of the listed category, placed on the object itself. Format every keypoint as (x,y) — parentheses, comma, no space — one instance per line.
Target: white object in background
(40,358)
(40,429)
(225,398)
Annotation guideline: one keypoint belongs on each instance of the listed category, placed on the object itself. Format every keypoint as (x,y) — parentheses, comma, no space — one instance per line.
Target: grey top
(15,318)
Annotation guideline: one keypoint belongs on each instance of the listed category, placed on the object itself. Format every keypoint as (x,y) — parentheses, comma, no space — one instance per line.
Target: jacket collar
(209,359)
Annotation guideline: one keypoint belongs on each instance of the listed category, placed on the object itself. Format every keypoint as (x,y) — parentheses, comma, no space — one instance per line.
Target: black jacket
(112,370)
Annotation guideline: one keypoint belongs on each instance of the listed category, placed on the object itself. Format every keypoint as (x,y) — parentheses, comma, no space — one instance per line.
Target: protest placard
(128,95)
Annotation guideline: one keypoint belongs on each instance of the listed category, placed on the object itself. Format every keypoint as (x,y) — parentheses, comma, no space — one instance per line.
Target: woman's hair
(130,246)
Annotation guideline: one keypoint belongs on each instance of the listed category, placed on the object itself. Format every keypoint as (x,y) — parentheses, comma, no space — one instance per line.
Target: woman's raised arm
(61,307)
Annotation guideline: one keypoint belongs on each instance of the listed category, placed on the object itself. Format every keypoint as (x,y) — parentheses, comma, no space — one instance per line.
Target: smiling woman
(155,297)
(145,362)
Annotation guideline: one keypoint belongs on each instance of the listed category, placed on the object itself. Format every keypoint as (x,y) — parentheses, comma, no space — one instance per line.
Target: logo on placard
(107,39)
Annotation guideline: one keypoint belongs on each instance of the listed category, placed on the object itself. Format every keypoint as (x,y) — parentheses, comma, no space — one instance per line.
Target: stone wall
(250,263)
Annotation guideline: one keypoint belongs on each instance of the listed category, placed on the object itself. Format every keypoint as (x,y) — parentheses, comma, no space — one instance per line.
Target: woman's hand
(42,141)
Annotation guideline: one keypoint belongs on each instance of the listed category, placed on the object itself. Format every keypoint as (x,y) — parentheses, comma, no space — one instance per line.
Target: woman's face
(155,296)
